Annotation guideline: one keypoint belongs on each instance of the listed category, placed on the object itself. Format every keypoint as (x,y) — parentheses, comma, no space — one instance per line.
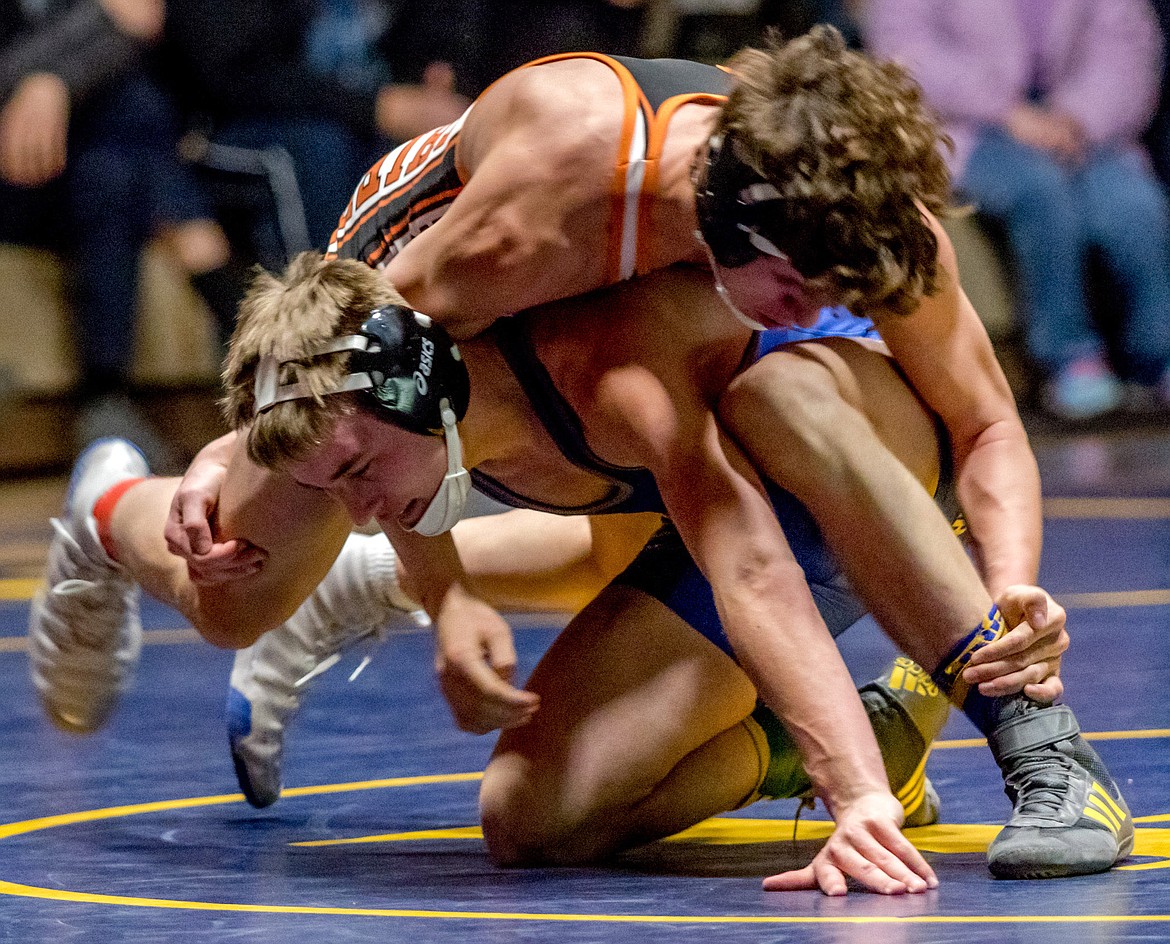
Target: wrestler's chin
(409,516)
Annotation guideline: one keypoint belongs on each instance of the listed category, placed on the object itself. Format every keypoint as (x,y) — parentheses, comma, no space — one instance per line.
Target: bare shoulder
(570,111)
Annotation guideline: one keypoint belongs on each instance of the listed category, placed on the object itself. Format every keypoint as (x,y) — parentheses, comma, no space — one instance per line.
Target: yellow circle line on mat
(84,816)
(159,806)
(29,891)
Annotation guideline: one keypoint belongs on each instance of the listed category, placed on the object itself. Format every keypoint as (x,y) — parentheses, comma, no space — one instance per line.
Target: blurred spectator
(304,86)
(1158,137)
(794,17)
(1046,101)
(509,33)
(703,30)
(88,168)
(291,101)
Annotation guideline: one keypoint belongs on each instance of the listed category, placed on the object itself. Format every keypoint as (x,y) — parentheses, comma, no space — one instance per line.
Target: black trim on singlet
(368,242)
(632,489)
(661,79)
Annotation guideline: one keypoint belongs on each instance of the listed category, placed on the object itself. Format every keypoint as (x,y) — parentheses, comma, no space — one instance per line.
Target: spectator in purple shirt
(1046,101)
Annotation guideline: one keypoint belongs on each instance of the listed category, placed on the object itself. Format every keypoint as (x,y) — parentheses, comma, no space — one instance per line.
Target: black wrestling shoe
(1069,817)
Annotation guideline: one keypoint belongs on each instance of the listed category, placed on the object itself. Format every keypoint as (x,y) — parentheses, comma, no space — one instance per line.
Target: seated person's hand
(867,846)
(1027,657)
(1060,135)
(406,111)
(34,130)
(189,531)
(476,662)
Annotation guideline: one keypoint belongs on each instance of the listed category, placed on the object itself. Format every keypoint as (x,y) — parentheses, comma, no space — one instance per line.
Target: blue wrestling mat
(138,834)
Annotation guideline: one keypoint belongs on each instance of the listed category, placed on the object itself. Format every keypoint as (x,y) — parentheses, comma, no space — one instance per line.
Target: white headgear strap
(269,391)
(447,506)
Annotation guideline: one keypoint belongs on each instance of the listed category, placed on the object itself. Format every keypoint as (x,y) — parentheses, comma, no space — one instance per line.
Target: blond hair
(285,316)
(855,153)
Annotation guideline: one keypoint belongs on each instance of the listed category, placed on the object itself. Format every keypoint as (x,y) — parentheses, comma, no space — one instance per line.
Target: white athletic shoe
(359,599)
(84,634)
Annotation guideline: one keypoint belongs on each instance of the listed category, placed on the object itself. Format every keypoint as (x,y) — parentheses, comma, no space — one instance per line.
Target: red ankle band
(103,512)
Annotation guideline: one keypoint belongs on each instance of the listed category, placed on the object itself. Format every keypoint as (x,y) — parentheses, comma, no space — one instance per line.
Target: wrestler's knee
(524,826)
(224,635)
(227,621)
(787,392)
(512,818)
(791,406)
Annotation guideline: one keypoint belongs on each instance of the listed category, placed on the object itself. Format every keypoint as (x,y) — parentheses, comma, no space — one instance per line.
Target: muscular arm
(301,530)
(947,357)
(719,507)
(295,531)
(721,512)
(532,223)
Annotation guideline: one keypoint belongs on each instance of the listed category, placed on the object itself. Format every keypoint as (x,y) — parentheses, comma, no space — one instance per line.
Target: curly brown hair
(285,316)
(856,155)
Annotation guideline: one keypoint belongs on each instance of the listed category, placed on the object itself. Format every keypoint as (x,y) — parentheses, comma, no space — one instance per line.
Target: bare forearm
(799,674)
(999,487)
(780,639)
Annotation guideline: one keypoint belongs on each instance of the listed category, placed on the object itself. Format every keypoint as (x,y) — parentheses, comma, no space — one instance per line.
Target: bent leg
(645,730)
(301,530)
(834,423)
(846,456)
(639,735)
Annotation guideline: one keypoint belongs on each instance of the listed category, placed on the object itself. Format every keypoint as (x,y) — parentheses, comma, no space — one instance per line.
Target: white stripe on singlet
(635,174)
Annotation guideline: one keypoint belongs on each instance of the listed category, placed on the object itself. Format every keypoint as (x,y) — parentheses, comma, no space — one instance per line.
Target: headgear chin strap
(416,380)
(731,203)
(447,507)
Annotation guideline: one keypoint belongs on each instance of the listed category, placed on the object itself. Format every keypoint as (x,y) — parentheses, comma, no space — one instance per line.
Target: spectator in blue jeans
(88,169)
(302,80)
(1046,101)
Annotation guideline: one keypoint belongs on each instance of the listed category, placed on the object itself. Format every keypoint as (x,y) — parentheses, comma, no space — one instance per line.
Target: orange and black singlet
(412,186)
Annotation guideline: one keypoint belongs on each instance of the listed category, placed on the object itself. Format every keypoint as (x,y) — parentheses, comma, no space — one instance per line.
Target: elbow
(225,635)
(232,624)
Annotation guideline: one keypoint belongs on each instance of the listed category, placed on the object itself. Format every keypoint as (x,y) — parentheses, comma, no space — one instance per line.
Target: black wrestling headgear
(405,360)
(733,204)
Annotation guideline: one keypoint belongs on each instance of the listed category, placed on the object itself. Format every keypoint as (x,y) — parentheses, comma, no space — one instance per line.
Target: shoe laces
(80,587)
(1038,782)
(372,640)
(807,802)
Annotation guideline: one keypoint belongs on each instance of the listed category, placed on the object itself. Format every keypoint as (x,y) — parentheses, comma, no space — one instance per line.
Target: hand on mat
(868,846)
(189,530)
(1027,657)
(476,661)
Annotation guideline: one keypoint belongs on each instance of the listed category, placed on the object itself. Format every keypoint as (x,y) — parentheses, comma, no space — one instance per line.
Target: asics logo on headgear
(426,359)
